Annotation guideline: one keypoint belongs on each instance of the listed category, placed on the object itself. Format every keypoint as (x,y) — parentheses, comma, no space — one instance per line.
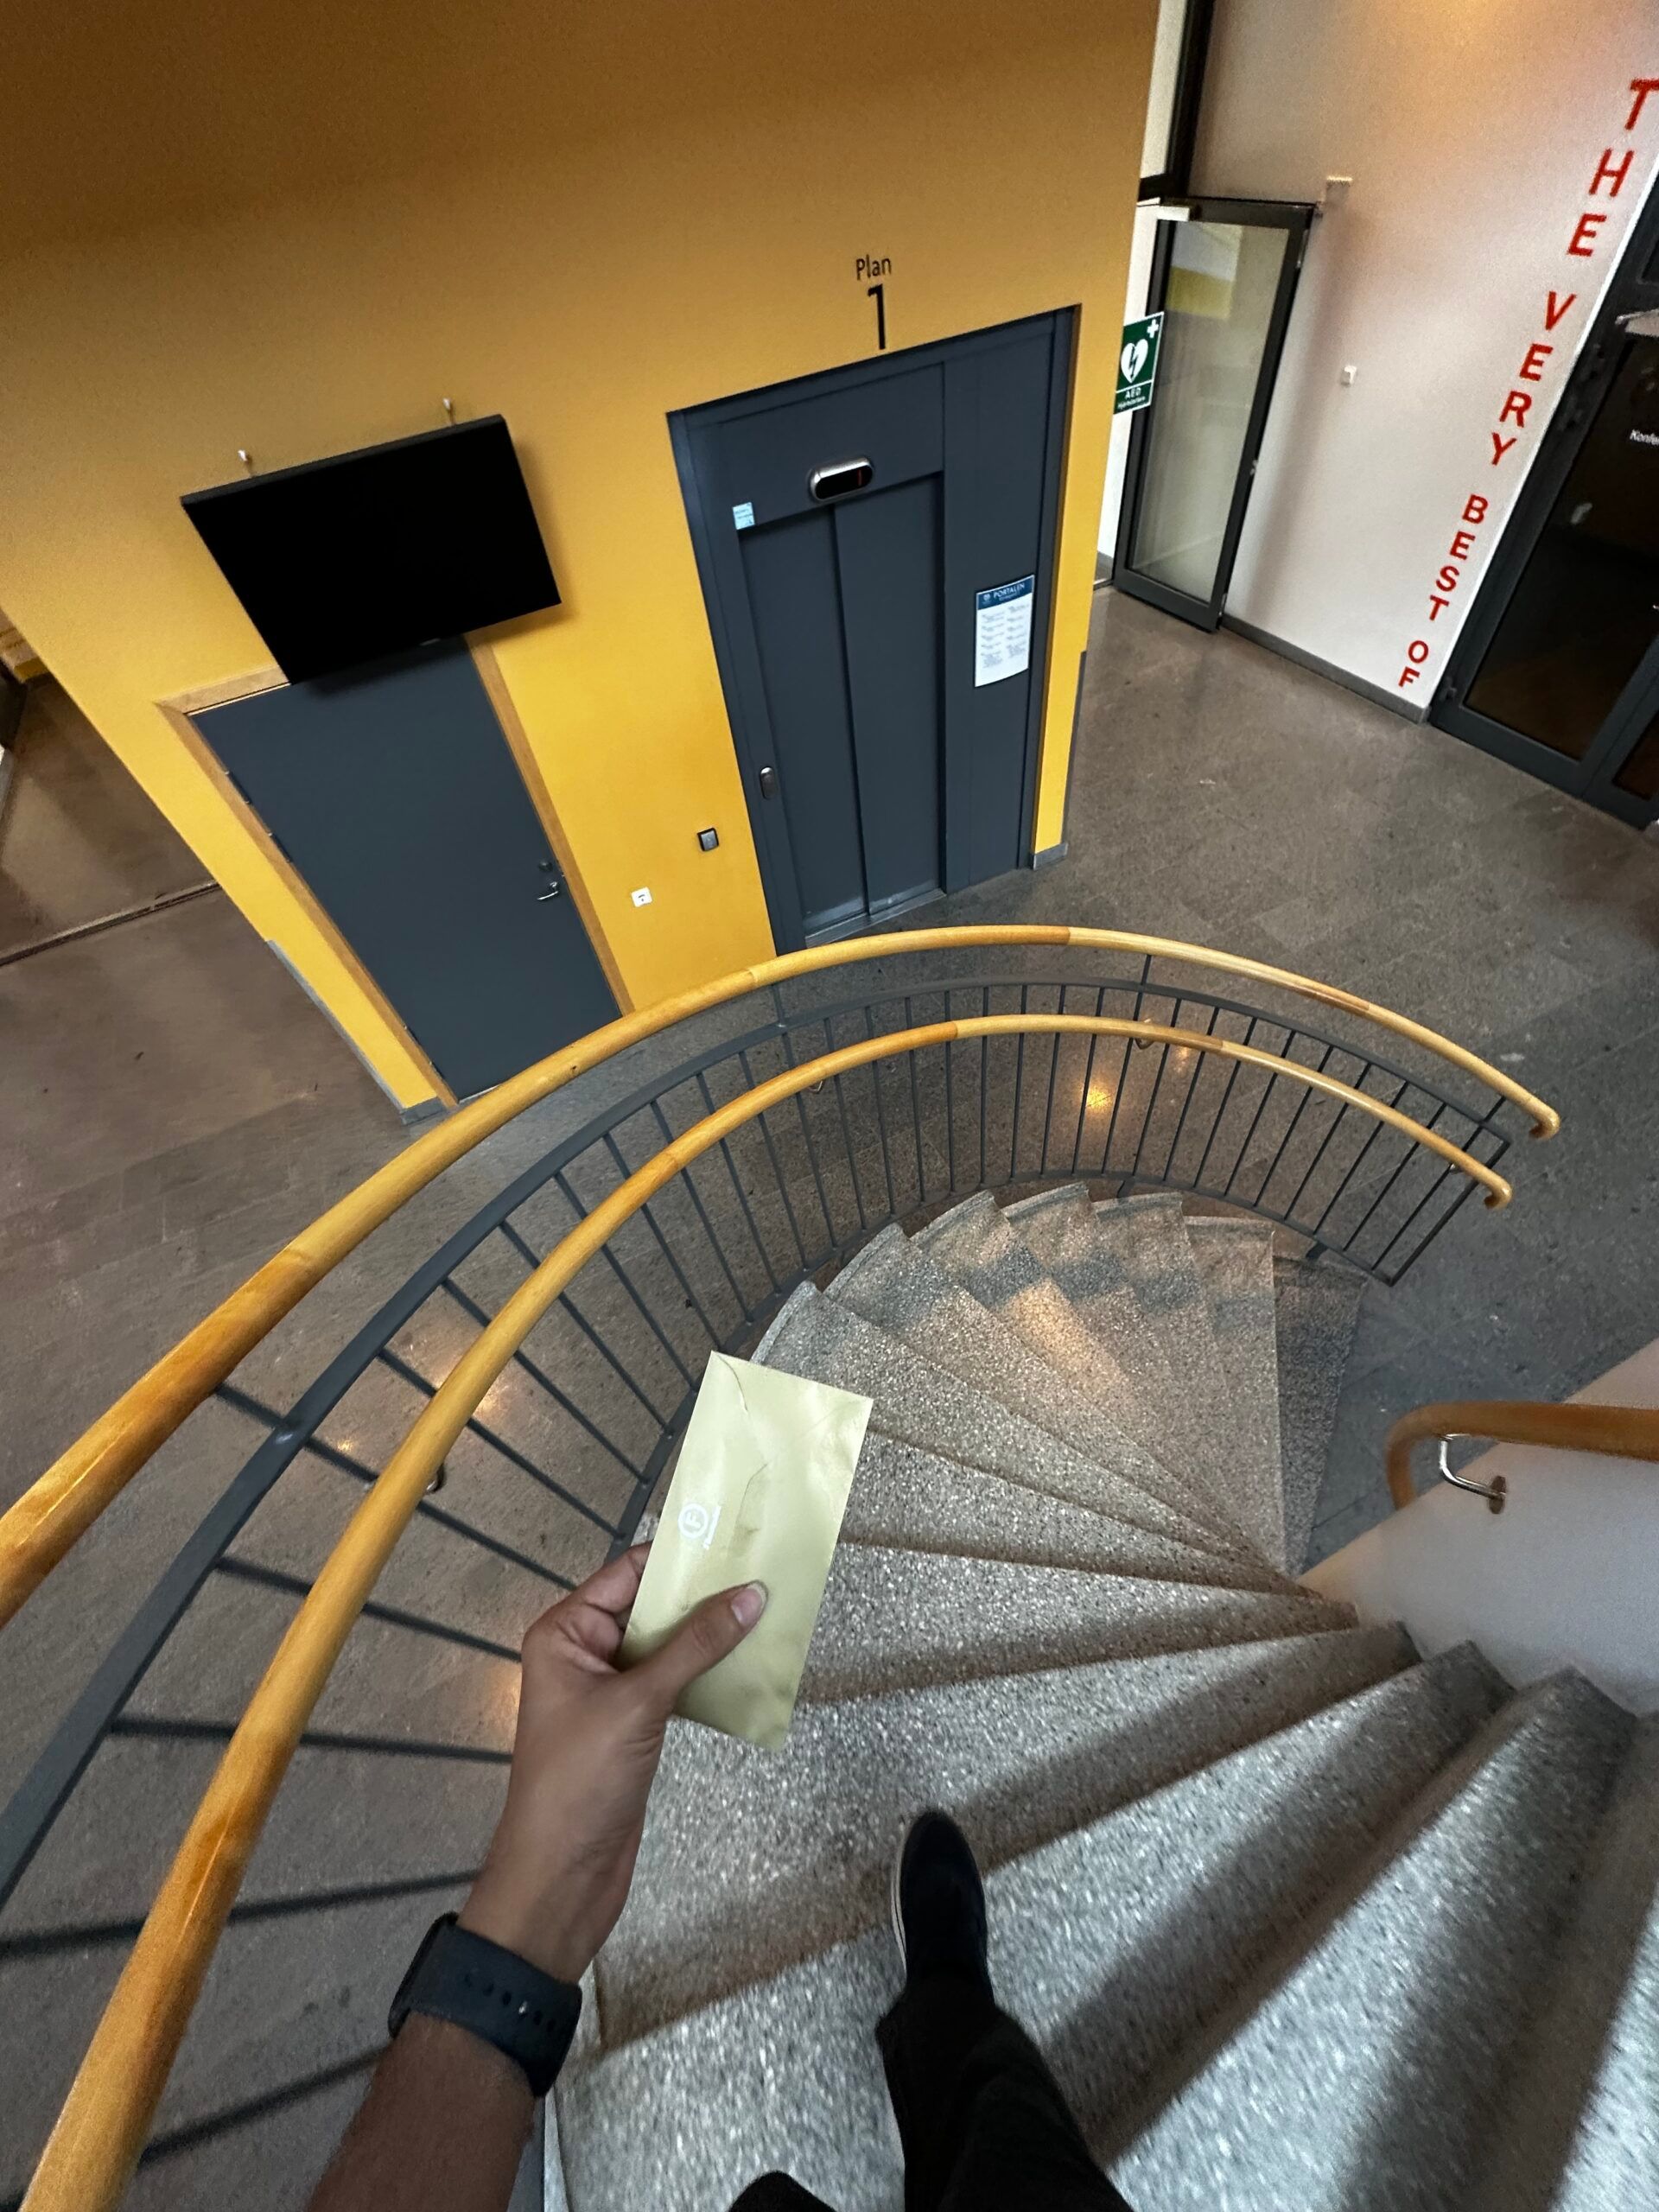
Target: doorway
(394,796)
(1557,668)
(1224,280)
(876,547)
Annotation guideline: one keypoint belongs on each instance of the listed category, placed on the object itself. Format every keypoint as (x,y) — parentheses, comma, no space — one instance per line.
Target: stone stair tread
(784,2073)
(751,1861)
(1158,1254)
(1090,1251)
(983,1253)
(895,1286)
(916,1402)
(1579,2128)
(915,1499)
(1317,1310)
(895,1619)
(1234,1259)
(1374,2046)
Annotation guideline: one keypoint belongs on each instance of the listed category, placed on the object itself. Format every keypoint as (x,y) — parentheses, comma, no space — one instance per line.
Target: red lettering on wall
(1406,676)
(1641,87)
(1435,603)
(1447,579)
(1615,175)
(1514,409)
(1557,308)
(1417,651)
(1474,502)
(1462,546)
(1583,240)
(1500,447)
(1533,367)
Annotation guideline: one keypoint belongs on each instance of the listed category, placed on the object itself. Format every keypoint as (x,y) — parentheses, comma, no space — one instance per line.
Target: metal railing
(557,1333)
(1620,1432)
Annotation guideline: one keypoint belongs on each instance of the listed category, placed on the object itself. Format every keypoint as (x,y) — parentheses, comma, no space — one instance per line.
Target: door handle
(768,783)
(541,896)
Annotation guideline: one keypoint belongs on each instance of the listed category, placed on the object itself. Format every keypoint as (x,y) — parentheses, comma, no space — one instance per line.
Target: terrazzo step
(1316,1311)
(914,1500)
(1158,1256)
(896,1286)
(751,1861)
(1366,2057)
(1578,2127)
(1235,1263)
(785,2075)
(899,1619)
(1088,1250)
(916,1402)
(985,1255)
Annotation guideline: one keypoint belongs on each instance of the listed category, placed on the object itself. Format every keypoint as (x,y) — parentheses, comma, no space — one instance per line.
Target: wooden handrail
(58,1508)
(101,2129)
(1623,1432)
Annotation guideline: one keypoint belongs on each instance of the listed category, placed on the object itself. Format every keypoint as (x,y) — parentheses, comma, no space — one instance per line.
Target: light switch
(642,896)
(1349,372)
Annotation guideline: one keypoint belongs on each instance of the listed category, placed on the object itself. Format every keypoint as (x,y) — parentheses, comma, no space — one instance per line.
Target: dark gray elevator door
(395,796)
(876,769)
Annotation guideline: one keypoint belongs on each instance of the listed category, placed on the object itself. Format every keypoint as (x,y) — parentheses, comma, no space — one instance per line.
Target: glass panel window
(1640,774)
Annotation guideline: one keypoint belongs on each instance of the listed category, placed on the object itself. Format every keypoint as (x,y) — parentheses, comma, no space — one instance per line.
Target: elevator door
(847,527)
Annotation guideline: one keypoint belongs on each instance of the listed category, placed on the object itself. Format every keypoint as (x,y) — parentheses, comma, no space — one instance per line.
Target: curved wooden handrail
(101,2128)
(1622,1432)
(58,1508)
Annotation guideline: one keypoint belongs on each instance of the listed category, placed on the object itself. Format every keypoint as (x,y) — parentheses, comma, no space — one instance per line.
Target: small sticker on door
(743,515)
(1002,630)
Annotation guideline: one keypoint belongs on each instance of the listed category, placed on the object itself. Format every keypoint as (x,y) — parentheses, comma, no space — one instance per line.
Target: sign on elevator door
(1002,630)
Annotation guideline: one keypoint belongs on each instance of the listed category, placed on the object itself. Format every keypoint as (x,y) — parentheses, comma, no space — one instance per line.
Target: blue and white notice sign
(1002,630)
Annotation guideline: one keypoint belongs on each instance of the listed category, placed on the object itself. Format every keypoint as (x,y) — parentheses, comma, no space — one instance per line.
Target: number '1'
(879,294)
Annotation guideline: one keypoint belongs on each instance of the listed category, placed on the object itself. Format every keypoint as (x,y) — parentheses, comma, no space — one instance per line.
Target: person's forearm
(443,2128)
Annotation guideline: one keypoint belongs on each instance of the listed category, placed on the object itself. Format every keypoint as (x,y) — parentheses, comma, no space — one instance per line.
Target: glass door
(1558,668)
(1223,279)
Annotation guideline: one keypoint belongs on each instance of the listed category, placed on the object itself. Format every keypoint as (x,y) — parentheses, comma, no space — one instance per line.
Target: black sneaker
(938,1902)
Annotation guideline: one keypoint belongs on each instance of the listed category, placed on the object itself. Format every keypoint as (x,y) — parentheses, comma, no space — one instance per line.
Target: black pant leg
(984,2126)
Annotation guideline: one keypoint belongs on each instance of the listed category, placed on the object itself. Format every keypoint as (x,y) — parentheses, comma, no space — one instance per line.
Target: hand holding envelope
(758,1495)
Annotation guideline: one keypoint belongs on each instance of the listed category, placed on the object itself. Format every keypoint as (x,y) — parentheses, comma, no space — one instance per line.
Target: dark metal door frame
(1635,287)
(1295,217)
(715,544)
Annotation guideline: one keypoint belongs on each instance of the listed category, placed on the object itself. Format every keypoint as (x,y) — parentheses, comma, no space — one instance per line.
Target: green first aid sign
(1137,364)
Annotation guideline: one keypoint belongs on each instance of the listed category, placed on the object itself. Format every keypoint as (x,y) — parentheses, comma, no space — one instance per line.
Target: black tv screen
(342,561)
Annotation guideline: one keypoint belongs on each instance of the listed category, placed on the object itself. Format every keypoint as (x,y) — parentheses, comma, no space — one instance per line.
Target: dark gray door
(395,796)
(845,526)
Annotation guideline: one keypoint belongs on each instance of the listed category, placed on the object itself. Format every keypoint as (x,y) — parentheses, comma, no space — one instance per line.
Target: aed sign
(1137,364)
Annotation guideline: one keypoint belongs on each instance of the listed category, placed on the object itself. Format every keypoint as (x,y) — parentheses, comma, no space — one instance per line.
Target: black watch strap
(493,1994)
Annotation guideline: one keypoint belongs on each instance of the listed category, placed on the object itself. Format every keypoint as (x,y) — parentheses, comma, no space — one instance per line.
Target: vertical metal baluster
(777,1168)
(806,1132)
(1463,1195)
(1340,1116)
(738,1190)
(950,1105)
(915,1106)
(881,1118)
(718,1249)
(568,1305)
(1268,1090)
(1019,1083)
(663,1246)
(1123,1064)
(1164,1051)
(1413,1150)
(1308,1093)
(1221,1110)
(545,1382)
(622,1275)
(1087,1079)
(1048,1104)
(1378,1129)
(1200,1061)
(984,1064)
(1433,1229)
(847,1134)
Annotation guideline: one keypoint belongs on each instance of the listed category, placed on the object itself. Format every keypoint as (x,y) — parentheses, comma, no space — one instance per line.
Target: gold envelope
(757,1496)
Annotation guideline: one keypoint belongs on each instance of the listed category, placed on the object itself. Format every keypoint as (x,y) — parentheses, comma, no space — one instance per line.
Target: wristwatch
(491,1992)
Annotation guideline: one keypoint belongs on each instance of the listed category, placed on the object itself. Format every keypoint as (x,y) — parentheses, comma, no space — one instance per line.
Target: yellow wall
(275,229)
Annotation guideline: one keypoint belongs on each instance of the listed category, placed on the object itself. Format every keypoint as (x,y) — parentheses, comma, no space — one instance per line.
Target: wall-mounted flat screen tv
(343,560)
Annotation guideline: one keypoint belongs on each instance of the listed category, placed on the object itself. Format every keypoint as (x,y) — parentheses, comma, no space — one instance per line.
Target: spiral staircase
(1301,1917)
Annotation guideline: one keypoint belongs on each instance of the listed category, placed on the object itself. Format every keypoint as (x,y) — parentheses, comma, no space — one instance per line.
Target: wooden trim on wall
(506,713)
(178,712)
